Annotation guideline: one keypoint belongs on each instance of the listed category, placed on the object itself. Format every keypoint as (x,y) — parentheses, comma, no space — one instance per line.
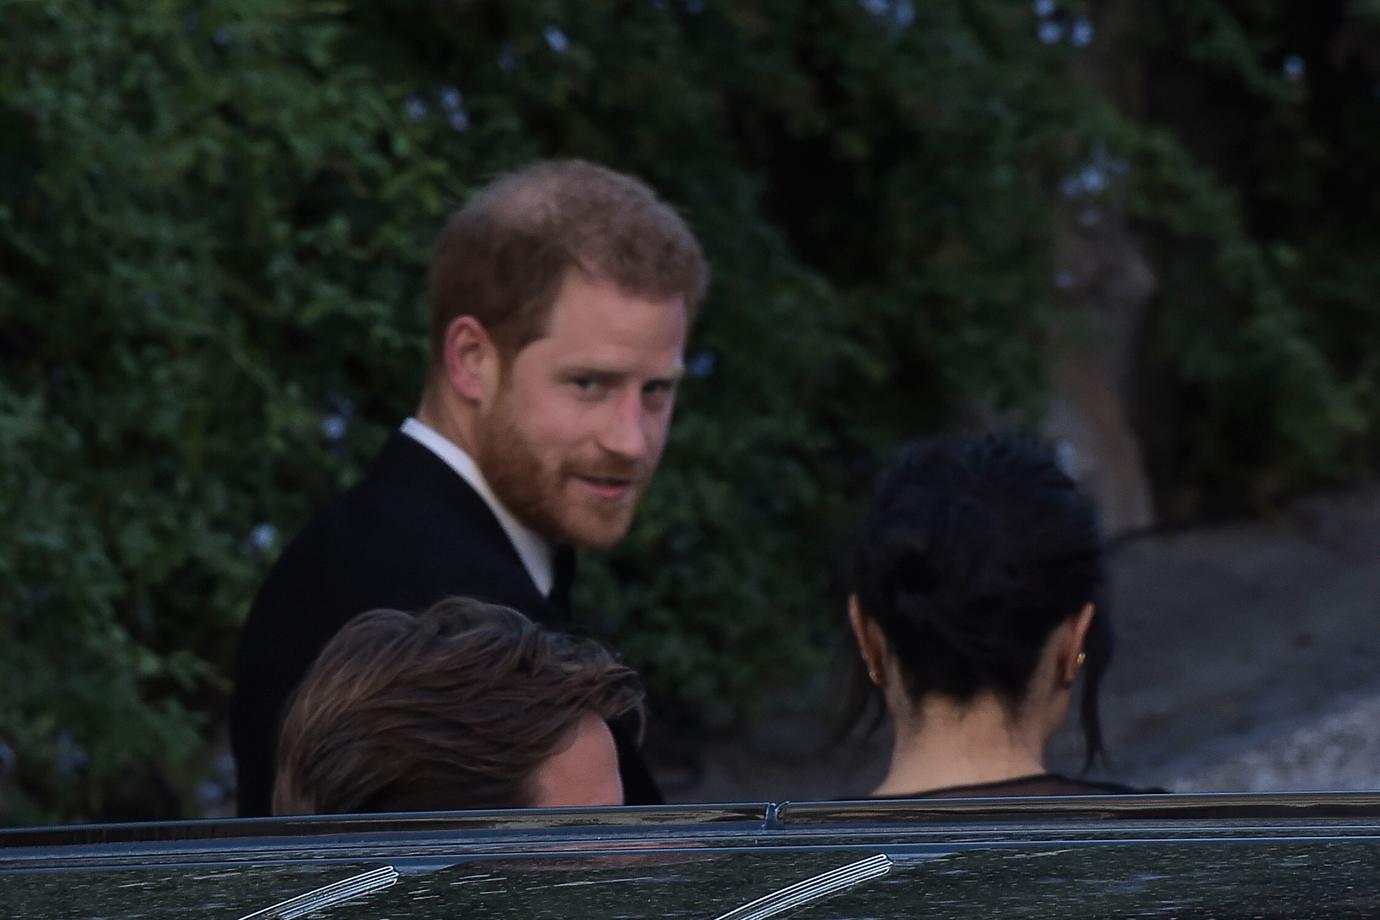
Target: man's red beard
(537,497)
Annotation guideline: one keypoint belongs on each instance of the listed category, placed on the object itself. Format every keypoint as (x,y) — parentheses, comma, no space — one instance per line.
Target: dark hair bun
(972,552)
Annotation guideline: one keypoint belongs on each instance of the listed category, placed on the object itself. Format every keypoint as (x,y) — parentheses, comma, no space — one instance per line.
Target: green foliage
(204,252)
(214,223)
(1259,210)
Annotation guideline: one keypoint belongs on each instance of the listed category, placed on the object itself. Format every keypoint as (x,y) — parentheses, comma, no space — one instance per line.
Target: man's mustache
(635,473)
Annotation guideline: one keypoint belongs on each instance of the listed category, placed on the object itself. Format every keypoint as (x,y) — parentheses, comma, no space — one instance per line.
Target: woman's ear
(471,360)
(871,642)
(1071,655)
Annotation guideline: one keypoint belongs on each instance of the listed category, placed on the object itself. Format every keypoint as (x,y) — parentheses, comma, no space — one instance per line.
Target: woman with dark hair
(977,597)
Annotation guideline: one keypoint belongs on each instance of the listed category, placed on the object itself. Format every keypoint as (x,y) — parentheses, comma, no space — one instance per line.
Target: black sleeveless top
(1036,784)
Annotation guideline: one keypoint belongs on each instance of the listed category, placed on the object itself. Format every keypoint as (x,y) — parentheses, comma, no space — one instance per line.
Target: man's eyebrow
(602,373)
(671,375)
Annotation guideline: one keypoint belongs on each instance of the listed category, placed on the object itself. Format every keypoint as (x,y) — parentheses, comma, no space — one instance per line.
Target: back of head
(503,256)
(453,708)
(972,553)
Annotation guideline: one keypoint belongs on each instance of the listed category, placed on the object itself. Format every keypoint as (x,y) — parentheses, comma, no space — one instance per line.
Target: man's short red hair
(503,256)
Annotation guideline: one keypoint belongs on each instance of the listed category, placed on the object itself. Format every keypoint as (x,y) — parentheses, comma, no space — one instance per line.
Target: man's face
(580,419)
(583,772)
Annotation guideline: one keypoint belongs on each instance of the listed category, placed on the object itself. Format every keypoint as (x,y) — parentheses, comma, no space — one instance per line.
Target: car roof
(1075,856)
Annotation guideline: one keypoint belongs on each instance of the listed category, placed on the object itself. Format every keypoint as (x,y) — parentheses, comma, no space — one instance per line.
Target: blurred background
(1147,230)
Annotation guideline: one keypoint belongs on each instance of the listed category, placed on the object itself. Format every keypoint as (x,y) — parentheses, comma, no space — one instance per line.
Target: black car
(1164,856)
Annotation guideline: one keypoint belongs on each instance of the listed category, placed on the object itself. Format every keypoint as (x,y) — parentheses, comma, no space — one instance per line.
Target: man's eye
(658,392)
(587,386)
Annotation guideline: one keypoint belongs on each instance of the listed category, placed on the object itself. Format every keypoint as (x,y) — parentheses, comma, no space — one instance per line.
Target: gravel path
(1340,751)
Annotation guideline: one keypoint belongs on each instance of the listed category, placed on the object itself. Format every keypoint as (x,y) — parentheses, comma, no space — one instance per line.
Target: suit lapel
(404,463)
(563,579)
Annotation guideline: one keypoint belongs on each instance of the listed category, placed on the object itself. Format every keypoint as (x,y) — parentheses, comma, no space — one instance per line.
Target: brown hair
(456,707)
(503,256)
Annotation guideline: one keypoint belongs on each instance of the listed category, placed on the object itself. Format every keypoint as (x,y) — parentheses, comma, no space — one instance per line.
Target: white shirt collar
(535,552)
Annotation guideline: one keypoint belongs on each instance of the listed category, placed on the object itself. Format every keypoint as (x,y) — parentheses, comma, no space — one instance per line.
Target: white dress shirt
(534,551)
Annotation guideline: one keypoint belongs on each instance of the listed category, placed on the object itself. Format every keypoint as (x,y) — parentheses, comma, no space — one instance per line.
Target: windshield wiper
(812,889)
(330,895)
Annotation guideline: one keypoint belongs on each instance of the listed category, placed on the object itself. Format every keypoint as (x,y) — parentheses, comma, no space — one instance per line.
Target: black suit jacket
(410,533)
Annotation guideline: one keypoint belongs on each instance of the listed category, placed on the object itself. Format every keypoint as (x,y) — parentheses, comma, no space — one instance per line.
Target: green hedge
(213,231)
(1259,202)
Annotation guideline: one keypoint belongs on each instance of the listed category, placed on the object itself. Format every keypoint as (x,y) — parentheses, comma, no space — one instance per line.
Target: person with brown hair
(561,296)
(468,705)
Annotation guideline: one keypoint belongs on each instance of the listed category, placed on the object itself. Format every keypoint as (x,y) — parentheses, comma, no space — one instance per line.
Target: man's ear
(871,642)
(1071,656)
(471,360)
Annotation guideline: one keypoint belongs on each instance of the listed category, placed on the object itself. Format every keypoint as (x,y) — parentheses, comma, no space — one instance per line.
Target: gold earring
(1082,657)
(872,676)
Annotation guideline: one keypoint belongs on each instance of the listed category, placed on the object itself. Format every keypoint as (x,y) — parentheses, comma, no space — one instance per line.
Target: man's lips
(611,488)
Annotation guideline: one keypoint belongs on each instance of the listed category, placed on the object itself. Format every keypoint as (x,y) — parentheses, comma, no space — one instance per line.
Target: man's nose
(624,432)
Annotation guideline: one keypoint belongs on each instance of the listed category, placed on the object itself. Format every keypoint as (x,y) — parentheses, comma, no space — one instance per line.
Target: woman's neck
(941,743)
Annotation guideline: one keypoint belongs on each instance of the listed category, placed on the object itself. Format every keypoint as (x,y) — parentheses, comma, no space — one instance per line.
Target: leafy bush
(205,254)
(216,226)
(1259,211)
